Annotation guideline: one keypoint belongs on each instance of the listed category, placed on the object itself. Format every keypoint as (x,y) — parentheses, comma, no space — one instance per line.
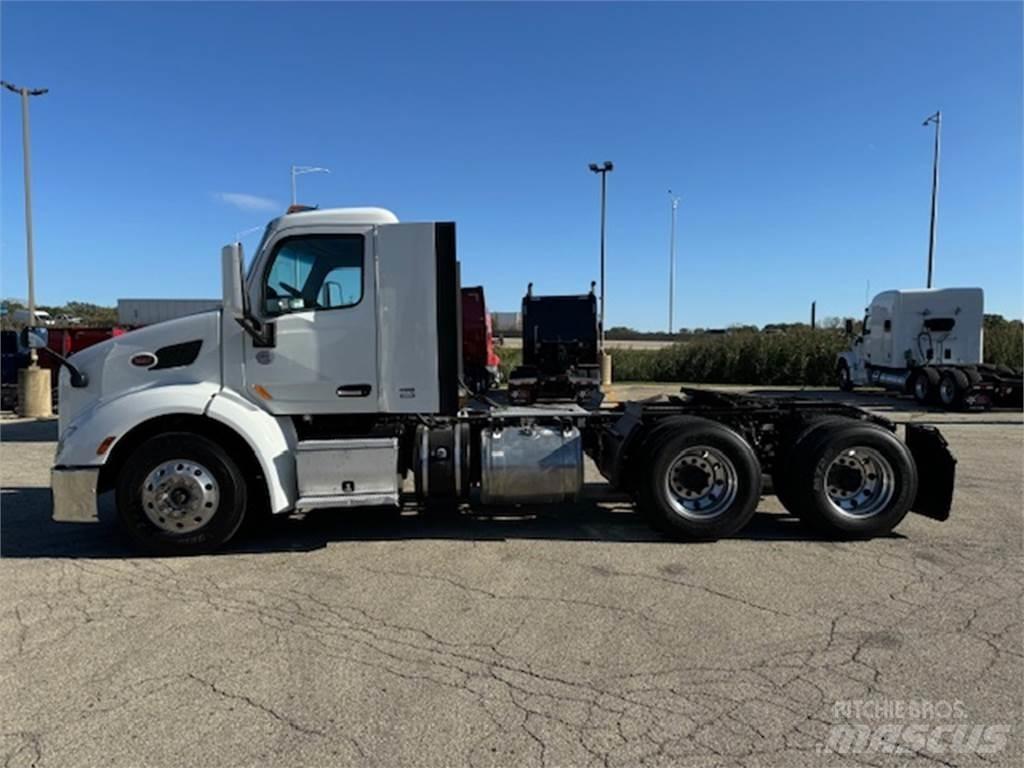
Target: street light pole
(298,170)
(603,170)
(672,260)
(937,120)
(27,152)
(34,399)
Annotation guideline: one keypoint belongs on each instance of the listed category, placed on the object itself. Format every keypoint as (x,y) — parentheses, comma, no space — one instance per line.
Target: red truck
(64,341)
(479,360)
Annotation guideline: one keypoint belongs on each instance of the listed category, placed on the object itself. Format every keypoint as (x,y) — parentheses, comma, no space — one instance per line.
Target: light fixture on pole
(298,170)
(672,259)
(603,171)
(937,120)
(34,391)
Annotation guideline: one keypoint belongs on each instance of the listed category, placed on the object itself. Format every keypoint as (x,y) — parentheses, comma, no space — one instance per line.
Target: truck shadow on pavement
(29,532)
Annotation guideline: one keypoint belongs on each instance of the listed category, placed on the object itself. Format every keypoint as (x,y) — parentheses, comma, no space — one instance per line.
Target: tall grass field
(797,357)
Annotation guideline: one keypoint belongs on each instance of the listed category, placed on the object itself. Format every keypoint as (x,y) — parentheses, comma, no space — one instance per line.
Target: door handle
(354,390)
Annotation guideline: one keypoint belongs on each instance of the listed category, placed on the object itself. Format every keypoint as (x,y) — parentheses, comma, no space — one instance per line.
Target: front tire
(844,378)
(181,494)
(851,479)
(701,481)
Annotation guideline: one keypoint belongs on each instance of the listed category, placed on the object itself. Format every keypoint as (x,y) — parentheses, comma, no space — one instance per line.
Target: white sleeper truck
(928,343)
(332,373)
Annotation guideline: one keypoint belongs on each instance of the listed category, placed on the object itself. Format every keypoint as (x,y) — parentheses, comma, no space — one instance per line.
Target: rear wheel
(181,494)
(926,382)
(851,479)
(701,481)
(784,460)
(953,387)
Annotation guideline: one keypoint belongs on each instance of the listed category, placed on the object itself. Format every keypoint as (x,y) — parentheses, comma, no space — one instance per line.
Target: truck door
(318,288)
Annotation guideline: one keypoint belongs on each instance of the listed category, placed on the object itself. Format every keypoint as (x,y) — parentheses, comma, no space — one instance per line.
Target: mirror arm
(262,333)
(78,379)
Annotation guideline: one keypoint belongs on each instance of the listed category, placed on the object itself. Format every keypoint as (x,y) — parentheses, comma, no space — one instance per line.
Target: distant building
(507,322)
(149,311)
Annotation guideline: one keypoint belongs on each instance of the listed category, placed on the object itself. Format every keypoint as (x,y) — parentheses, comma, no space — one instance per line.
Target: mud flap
(936,471)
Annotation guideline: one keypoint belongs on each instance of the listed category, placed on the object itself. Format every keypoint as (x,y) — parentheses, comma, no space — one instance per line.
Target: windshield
(255,253)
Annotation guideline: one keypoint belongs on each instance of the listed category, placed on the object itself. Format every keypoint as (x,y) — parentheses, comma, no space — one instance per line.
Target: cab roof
(368,215)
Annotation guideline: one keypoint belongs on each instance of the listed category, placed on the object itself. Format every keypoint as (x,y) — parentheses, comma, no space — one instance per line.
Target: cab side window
(315,272)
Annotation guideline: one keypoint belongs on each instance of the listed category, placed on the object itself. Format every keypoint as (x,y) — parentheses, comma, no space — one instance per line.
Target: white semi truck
(928,343)
(332,372)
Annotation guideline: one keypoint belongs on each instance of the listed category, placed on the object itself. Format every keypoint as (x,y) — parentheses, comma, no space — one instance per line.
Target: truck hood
(185,350)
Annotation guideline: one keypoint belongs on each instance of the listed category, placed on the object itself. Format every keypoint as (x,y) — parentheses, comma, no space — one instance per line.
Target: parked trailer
(300,395)
(928,343)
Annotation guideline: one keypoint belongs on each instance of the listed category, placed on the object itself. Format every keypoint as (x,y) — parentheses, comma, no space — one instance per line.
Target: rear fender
(936,471)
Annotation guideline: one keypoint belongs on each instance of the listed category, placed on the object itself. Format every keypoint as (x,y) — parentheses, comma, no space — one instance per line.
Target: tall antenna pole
(937,120)
(672,260)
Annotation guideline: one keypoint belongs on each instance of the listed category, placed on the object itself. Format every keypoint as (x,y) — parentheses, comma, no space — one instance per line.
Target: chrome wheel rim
(701,483)
(180,496)
(921,387)
(859,482)
(844,376)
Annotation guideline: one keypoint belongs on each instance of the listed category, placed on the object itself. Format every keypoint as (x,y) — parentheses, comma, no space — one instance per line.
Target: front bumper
(74,494)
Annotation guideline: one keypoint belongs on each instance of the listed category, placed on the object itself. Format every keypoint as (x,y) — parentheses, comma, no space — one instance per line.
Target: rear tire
(781,484)
(851,479)
(925,384)
(181,494)
(700,480)
(953,386)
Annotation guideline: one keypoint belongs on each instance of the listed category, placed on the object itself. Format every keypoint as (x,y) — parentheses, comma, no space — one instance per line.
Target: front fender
(84,442)
(272,439)
(847,357)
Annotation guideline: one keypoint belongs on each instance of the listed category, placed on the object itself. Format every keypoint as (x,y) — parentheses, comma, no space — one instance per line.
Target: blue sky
(791,131)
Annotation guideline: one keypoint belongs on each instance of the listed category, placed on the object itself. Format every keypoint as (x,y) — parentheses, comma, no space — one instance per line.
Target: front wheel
(851,479)
(181,494)
(701,481)
(843,375)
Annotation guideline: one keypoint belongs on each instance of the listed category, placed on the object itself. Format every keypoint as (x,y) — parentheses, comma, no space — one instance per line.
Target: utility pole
(298,170)
(33,398)
(672,260)
(814,310)
(937,120)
